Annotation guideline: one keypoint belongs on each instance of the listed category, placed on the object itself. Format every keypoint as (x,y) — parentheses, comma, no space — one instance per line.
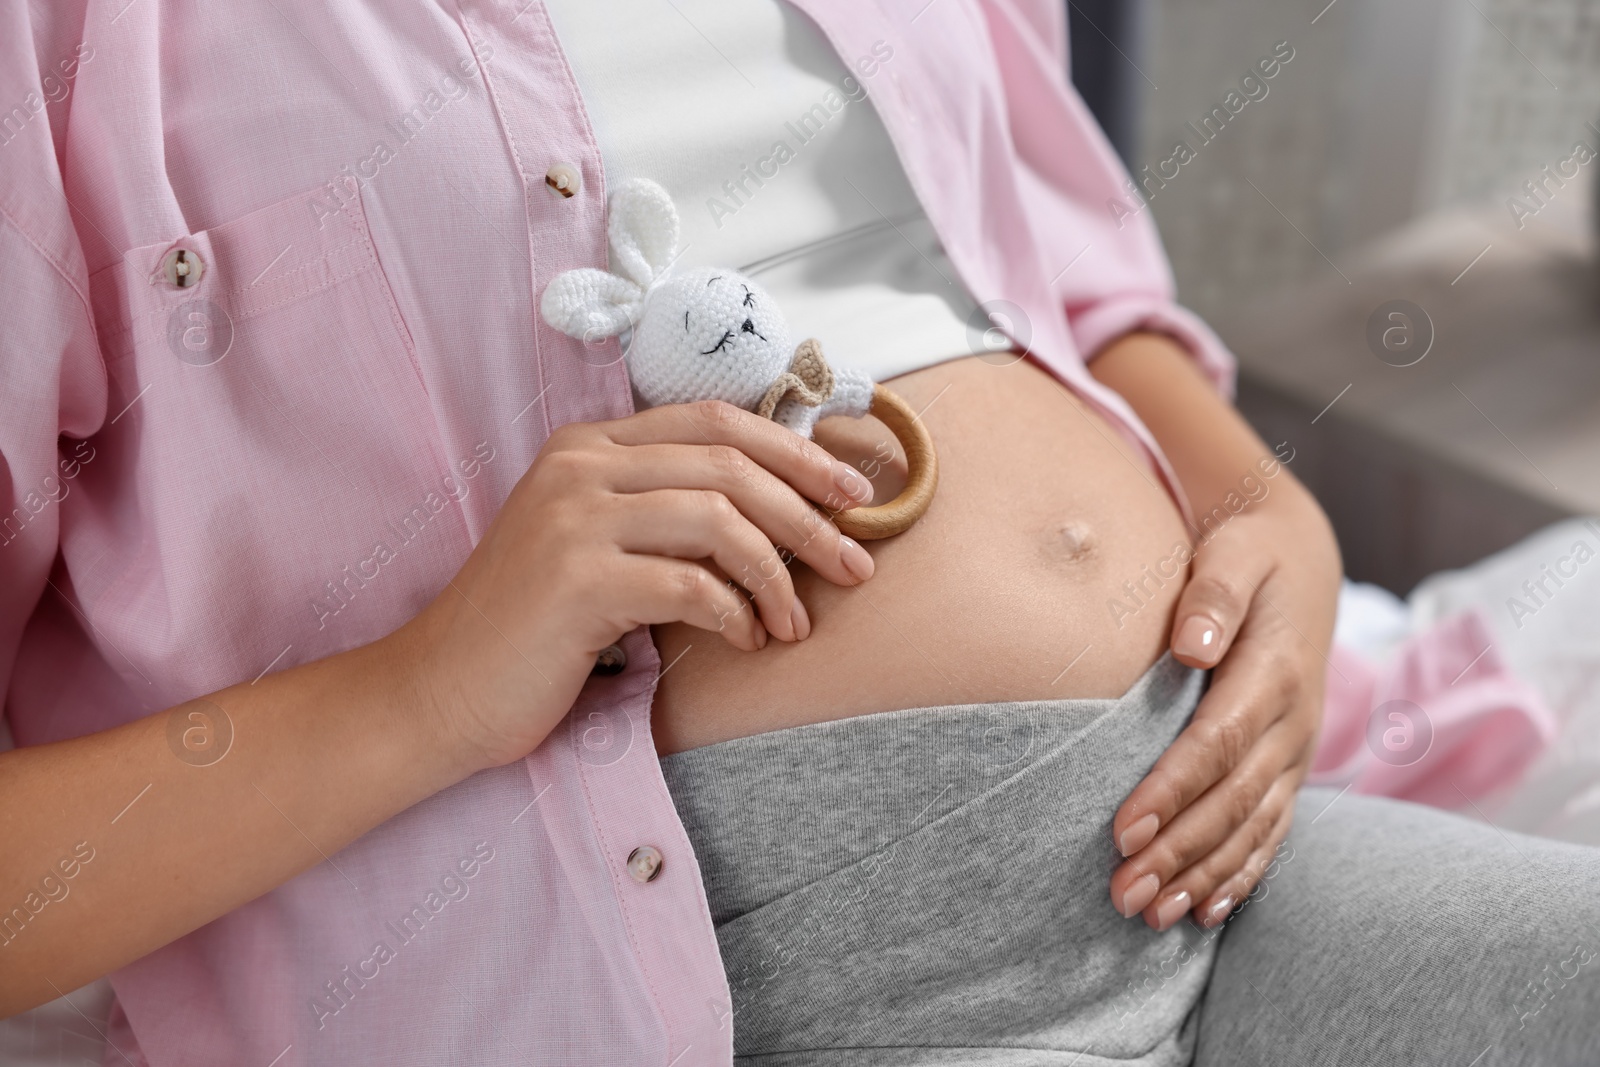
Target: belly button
(1072,542)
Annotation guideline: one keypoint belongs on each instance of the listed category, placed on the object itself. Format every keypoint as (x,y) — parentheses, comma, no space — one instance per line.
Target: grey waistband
(934,882)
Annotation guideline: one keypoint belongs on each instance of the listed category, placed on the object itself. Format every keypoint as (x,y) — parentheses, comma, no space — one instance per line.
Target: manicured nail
(1198,639)
(856,560)
(1139,895)
(1172,910)
(802,621)
(1219,911)
(852,483)
(1139,834)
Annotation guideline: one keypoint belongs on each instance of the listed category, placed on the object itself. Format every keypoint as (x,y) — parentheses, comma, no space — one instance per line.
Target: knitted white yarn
(709,334)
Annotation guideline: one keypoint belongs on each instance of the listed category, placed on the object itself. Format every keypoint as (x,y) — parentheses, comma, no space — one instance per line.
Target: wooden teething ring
(922,474)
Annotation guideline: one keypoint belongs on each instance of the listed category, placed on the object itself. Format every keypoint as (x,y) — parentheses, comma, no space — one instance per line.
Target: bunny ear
(643,229)
(590,304)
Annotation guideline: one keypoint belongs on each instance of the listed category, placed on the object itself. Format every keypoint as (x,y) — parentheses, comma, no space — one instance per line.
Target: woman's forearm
(1211,448)
(116,843)
(1231,477)
(144,838)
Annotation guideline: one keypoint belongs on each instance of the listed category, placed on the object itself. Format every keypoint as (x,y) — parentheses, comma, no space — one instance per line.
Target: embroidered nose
(750,327)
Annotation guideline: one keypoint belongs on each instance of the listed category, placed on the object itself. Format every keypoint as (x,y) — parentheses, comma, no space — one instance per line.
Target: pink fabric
(365,184)
(1443,721)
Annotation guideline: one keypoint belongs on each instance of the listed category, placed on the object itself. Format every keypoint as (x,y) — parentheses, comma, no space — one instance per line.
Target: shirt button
(182,268)
(611,661)
(644,863)
(564,179)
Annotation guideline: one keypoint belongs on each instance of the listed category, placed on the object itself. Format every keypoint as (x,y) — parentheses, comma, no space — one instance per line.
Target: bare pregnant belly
(1044,518)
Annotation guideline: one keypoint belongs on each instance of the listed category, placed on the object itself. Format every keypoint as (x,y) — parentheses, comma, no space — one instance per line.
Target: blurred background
(1395,233)
(1435,152)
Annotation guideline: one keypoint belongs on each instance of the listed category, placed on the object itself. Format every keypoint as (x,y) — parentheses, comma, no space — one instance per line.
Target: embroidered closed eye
(727,335)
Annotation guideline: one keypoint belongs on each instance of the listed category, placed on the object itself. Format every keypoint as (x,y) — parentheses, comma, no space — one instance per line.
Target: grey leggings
(930,887)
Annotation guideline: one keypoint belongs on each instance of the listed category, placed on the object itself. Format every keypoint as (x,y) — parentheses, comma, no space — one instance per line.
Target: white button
(644,863)
(564,179)
(181,268)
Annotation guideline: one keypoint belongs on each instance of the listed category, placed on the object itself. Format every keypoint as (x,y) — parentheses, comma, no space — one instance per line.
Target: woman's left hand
(1204,825)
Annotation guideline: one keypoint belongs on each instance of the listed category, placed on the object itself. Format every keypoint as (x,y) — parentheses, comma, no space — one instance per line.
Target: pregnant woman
(379,693)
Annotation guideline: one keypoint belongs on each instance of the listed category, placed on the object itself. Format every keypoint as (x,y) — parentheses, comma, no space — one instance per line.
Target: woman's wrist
(479,693)
(1212,450)
(422,699)
(1225,469)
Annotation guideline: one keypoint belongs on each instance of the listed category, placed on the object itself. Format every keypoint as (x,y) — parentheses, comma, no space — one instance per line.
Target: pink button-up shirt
(289,453)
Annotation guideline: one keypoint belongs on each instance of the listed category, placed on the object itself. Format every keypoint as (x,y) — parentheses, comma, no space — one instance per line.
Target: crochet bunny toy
(714,334)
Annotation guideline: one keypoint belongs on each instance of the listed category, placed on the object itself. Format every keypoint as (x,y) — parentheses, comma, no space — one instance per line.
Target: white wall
(1390,109)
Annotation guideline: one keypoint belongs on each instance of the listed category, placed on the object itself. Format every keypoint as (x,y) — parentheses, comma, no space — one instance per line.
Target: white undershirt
(694,94)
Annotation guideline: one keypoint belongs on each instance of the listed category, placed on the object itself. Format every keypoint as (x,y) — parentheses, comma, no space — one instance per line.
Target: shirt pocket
(271,471)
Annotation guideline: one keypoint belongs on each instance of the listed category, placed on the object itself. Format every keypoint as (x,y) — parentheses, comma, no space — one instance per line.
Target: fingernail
(1139,895)
(852,483)
(1219,911)
(1139,834)
(802,621)
(856,560)
(1197,639)
(761,636)
(1172,910)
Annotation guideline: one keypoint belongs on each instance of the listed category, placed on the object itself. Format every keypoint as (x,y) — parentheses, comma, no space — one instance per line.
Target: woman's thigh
(1399,934)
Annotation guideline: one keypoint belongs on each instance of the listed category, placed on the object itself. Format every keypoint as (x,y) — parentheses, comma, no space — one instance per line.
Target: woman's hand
(639,520)
(1205,823)
(612,527)
(1202,827)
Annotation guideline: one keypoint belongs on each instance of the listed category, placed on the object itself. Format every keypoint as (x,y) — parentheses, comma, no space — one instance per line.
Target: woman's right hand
(639,520)
(615,524)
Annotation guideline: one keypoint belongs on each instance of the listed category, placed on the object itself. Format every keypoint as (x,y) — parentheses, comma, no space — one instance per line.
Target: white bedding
(1552,639)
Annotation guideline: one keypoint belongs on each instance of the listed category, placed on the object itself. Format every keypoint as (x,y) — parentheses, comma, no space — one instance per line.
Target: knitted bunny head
(710,333)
